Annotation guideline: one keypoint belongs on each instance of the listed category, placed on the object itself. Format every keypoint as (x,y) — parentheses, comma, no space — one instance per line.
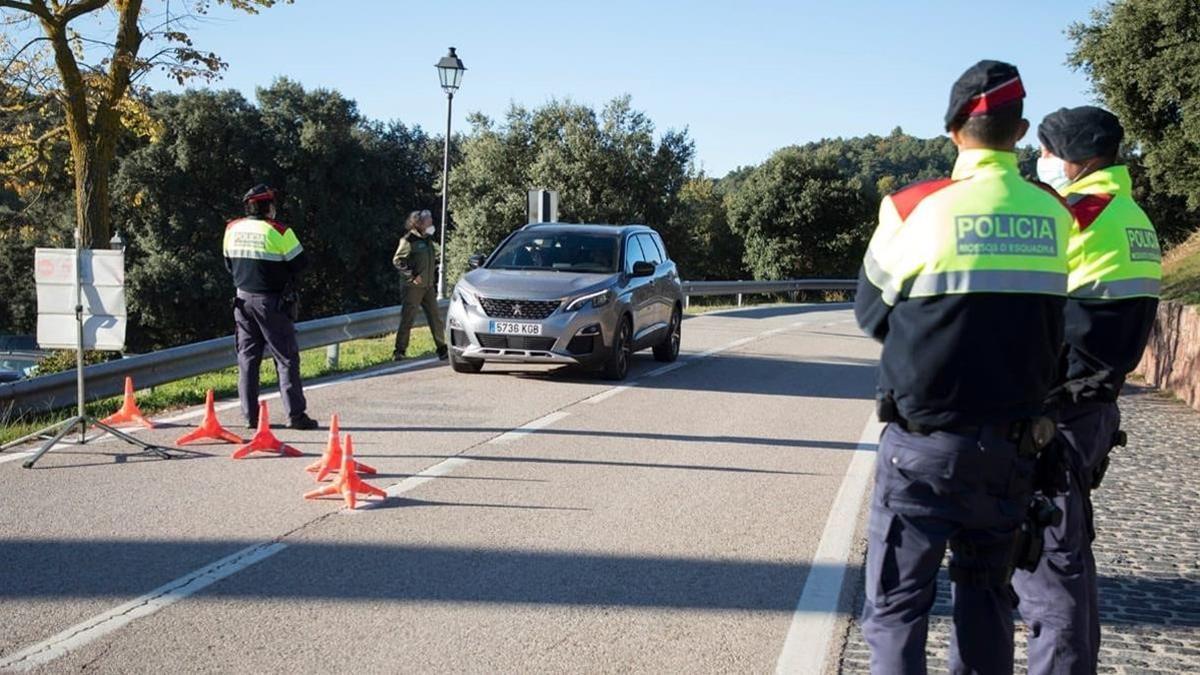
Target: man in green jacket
(416,259)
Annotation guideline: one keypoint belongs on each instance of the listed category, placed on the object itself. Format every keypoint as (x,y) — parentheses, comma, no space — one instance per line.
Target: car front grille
(536,310)
(526,342)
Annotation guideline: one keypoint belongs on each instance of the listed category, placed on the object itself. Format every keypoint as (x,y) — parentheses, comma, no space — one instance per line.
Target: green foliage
(703,247)
(607,168)
(1143,57)
(800,215)
(61,360)
(347,184)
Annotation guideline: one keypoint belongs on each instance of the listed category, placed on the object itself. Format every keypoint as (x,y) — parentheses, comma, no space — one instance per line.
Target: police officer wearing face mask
(964,283)
(416,259)
(1115,271)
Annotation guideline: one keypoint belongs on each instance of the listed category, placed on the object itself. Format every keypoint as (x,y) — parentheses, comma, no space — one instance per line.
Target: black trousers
(263,325)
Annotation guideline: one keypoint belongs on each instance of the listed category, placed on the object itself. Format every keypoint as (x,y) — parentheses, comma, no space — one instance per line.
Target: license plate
(515,328)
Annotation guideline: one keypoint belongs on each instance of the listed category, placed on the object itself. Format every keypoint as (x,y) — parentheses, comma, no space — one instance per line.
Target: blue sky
(745,78)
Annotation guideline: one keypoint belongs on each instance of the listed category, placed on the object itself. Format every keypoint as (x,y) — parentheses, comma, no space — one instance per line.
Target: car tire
(668,350)
(465,365)
(616,366)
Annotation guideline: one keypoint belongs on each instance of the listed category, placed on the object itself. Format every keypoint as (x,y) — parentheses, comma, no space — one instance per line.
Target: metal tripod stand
(81,420)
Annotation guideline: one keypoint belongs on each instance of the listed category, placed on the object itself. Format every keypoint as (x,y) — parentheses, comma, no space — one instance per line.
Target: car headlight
(464,296)
(597,300)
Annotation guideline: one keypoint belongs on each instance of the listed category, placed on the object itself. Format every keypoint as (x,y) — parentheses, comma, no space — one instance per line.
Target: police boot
(303,422)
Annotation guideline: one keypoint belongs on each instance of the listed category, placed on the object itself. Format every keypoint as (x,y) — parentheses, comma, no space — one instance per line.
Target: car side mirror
(642,268)
(476,261)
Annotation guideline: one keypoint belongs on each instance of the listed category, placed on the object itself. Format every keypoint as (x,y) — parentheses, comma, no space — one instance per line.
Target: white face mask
(429,231)
(1053,172)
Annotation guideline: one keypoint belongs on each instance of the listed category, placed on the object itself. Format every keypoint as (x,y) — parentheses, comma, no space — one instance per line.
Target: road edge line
(807,644)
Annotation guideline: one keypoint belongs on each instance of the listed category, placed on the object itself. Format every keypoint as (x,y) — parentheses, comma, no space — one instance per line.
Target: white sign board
(103,282)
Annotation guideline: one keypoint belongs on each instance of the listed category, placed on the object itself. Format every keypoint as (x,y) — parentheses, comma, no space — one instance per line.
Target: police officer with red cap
(265,258)
(1115,272)
(964,283)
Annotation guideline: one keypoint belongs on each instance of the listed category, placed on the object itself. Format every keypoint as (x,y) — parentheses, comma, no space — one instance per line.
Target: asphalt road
(542,521)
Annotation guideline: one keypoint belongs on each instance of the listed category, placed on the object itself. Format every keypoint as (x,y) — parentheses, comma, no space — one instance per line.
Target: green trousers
(418,297)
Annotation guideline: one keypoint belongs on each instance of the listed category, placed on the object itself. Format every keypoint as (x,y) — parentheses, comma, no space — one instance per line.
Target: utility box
(543,206)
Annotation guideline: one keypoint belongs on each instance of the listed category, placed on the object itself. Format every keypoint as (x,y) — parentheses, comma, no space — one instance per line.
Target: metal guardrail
(743,288)
(149,370)
(168,365)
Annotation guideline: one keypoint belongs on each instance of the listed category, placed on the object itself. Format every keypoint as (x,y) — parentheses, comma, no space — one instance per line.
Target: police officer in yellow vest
(964,282)
(1115,271)
(265,258)
(416,260)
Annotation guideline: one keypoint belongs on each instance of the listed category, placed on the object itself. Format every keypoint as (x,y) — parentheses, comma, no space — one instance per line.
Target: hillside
(1181,272)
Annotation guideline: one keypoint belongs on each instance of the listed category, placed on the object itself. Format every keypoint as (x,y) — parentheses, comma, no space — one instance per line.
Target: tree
(801,216)
(703,246)
(93,81)
(347,183)
(1143,60)
(607,168)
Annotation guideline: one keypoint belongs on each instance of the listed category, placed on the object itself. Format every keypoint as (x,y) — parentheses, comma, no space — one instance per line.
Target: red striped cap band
(988,101)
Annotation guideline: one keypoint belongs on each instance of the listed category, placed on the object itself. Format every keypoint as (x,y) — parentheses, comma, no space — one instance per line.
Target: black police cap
(983,88)
(1079,134)
(259,193)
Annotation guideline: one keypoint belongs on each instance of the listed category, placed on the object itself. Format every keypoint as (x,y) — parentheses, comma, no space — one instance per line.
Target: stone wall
(1172,358)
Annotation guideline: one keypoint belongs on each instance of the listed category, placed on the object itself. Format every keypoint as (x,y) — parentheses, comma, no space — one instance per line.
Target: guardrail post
(687,301)
(739,299)
(332,352)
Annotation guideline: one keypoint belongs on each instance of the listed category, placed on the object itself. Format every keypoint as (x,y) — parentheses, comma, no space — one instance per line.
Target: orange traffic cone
(331,460)
(210,427)
(264,440)
(129,411)
(348,483)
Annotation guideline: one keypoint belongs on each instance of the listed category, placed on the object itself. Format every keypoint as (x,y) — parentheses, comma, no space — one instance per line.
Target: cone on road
(210,427)
(331,460)
(264,440)
(129,412)
(347,483)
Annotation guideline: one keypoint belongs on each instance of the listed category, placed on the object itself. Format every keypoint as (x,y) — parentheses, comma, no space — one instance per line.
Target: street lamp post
(450,71)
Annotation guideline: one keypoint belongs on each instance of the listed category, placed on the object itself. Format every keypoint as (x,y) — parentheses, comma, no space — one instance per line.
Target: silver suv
(587,295)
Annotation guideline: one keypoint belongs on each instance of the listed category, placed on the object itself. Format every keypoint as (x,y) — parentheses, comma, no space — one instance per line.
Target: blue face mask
(1053,172)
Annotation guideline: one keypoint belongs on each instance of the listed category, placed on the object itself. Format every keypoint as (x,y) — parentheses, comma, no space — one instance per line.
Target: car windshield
(559,251)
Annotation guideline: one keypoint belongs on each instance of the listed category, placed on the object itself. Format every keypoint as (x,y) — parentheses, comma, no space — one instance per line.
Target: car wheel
(616,367)
(668,350)
(465,365)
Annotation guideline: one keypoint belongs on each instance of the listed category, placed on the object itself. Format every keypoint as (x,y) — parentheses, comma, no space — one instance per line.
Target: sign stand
(81,420)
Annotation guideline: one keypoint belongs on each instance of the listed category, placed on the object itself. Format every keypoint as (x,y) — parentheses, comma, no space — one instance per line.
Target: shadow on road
(82,569)
(599,462)
(405,573)
(734,373)
(632,435)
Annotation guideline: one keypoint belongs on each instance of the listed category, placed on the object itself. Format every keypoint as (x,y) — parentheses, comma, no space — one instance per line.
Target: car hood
(535,285)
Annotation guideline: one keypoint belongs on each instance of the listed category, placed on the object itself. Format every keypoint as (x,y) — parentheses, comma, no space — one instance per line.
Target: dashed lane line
(102,624)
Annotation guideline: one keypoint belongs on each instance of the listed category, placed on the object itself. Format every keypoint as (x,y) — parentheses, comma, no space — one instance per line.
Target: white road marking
(526,429)
(807,642)
(102,624)
(699,356)
(92,629)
